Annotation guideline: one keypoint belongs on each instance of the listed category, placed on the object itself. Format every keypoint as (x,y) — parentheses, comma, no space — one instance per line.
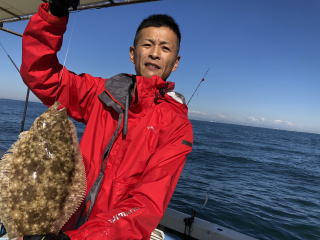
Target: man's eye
(166,49)
(146,45)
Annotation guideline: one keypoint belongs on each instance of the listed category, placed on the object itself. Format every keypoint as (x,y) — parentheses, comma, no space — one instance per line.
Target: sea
(257,181)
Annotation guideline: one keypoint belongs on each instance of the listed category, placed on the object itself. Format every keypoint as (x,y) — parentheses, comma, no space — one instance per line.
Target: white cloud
(278,121)
(256,119)
(198,113)
(208,116)
(283,122)
(252,119)
(264,122)
(220,115)
(290,124)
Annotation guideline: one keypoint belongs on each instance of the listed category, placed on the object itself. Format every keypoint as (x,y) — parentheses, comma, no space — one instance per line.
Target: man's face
(155,52)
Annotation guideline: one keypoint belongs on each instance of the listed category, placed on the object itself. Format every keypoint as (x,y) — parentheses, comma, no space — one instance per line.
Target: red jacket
(143,167)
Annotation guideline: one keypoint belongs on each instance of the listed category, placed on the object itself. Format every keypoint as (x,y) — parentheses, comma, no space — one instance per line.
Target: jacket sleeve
(45,76)
(139,213)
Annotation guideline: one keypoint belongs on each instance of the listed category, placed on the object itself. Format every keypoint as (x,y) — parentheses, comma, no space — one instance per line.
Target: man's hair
(159,20)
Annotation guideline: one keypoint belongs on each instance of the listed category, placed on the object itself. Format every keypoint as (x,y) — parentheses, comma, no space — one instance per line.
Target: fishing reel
(74,3)
(70,3)
(60,8)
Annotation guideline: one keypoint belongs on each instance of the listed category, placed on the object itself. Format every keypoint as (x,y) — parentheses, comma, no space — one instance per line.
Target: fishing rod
(28,90)
(196,89)
(9,31)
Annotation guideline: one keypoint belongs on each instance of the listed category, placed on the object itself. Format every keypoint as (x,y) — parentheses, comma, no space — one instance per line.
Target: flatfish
(42,176)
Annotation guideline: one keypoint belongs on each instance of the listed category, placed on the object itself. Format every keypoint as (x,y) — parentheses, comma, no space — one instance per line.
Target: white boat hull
(201,229)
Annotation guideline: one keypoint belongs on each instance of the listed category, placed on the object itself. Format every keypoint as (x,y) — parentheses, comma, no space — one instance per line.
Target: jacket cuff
(43,12)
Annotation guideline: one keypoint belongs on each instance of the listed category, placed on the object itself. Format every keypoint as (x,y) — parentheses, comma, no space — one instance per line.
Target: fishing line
(28,90)
(5,51)
(72,27)
(205,201)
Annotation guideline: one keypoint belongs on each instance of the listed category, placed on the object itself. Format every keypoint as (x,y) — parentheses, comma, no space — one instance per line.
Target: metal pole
(103,4)
(9,31)
(28,90)
(25,111)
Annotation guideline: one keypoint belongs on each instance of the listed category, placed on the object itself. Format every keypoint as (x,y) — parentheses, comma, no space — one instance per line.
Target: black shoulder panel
(119,88)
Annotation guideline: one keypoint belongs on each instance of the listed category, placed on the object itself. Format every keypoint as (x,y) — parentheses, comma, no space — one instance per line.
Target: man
(137,131)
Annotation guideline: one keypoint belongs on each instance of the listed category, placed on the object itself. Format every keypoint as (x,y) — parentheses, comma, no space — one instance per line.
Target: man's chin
(150,74)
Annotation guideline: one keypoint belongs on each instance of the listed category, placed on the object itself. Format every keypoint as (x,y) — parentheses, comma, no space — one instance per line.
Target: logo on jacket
(150,128)
(122,214)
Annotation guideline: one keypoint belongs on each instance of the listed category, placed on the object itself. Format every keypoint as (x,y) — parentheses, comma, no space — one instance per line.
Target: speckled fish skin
(42,177)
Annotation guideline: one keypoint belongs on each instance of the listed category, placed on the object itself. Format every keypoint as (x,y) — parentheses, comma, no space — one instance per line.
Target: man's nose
(155,53)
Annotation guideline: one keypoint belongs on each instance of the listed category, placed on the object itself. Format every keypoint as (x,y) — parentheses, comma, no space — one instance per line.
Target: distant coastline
(20,100)
(245,125)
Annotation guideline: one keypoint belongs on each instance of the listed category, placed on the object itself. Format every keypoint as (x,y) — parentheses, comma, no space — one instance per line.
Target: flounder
(42,177)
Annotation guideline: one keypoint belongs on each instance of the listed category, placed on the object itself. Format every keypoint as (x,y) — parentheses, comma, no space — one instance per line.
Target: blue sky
(263,55)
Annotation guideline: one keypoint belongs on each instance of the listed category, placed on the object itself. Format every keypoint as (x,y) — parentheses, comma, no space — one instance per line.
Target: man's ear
(131,52)
(176,64)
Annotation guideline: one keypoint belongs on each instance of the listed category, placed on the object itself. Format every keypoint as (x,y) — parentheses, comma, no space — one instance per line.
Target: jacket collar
(152,86)
(154,90)
(148,91)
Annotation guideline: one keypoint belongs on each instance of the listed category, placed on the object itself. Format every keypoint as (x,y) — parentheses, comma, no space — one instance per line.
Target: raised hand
(60,8)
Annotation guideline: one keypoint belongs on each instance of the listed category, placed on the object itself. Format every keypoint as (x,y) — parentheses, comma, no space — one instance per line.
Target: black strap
(95,189)
(185,142)
(2,230)
(126,112)
(119,88)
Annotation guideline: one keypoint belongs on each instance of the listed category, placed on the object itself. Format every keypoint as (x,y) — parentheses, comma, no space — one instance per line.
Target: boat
(175,225)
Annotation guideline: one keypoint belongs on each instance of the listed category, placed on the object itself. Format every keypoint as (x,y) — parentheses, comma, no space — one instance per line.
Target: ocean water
(260,182)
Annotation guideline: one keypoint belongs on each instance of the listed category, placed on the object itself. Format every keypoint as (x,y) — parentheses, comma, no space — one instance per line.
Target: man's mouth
(152,66)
